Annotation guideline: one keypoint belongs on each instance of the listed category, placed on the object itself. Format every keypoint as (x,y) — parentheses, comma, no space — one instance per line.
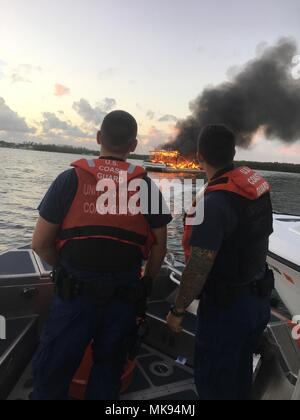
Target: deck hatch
(17,264)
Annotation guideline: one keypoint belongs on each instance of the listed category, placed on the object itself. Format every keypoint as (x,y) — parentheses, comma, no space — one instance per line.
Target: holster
(263,288)
(65,286)
(223,295)
(68,288)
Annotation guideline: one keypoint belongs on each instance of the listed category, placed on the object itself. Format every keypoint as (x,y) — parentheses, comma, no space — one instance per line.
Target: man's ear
(99,139)
(133,146)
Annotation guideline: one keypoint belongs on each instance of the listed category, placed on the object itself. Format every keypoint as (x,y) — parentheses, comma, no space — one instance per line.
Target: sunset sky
(65,63)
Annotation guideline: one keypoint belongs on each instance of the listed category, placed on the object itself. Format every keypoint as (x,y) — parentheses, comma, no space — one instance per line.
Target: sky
(65,64)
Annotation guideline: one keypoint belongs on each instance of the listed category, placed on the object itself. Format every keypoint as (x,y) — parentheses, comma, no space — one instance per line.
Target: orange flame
(174,160)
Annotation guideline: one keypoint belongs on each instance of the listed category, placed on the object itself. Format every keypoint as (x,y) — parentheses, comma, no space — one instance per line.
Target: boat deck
(165,362)
(157,377)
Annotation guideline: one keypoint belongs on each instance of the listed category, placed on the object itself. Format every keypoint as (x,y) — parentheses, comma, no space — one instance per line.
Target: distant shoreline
(53,148)
(39,147)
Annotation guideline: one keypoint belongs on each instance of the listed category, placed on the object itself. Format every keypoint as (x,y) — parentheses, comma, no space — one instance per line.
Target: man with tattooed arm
(226,269)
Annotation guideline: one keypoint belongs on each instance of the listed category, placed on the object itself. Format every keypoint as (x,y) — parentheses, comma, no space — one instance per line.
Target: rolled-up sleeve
(220,220)
(59,198)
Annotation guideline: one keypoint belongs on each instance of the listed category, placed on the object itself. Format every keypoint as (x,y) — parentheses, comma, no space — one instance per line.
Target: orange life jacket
(83,221)
(242,181)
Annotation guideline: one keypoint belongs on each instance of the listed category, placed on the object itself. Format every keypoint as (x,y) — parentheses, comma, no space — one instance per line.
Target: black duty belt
(68,288)
(223,295)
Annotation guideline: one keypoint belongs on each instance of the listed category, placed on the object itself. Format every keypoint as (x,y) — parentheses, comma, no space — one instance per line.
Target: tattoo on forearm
(195,275)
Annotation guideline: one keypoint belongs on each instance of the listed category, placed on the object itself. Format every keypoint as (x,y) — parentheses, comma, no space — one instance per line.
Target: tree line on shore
(263,166)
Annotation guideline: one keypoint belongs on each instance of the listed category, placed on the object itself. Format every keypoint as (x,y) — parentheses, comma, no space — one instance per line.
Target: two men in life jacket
(98,259)
(226,268)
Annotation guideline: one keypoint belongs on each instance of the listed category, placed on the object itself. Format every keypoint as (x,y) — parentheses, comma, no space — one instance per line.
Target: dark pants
(225,343)
(69,330)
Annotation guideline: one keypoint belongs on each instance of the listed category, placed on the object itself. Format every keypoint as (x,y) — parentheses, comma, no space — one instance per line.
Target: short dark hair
(217,143)
(118,129)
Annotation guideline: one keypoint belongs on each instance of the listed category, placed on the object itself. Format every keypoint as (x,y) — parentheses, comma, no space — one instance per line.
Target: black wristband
(177,314)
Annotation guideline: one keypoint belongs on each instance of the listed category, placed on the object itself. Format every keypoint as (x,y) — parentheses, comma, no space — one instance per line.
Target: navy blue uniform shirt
(220,221)
(112,255)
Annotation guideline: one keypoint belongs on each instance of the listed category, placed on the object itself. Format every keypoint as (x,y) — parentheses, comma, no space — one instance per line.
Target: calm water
(26,175)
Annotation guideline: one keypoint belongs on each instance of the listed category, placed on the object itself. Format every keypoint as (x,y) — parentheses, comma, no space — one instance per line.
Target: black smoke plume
(262,95)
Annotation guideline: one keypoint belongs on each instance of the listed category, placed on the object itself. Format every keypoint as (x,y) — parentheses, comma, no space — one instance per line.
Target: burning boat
(171,161)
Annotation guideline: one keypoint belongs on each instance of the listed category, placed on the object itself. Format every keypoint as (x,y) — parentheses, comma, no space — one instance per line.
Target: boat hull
(170,170)
(287,283)
(284,259)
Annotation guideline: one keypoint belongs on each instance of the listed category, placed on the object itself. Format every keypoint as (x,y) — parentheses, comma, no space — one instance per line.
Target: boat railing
(175,267)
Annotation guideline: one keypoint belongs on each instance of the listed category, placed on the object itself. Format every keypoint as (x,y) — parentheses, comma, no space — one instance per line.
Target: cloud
(270,151)
(153,138)
(61,90)
(24,72)
(290,152)
(16,78)
(168,118)
(151,115)
(51,124)
(11,122)
(108,104)
(97,114)
(107,73)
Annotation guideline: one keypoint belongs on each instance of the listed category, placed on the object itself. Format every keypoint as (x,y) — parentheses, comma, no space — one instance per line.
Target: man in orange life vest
(98,259)
(226,268)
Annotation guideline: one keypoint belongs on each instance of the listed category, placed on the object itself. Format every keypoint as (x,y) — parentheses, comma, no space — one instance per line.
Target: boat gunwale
(284,261)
